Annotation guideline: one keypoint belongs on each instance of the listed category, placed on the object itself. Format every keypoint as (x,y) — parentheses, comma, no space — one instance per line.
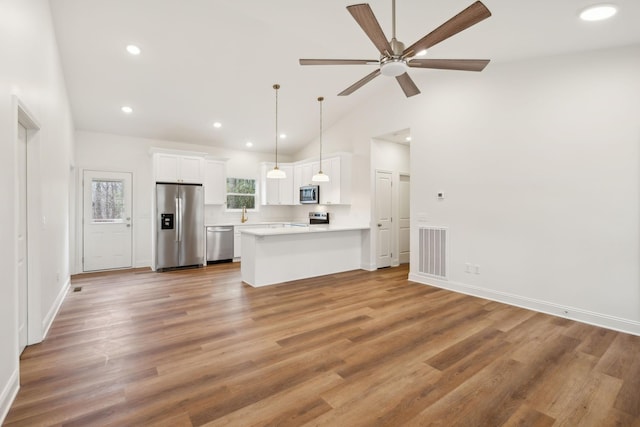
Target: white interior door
(107,227)
(22,238)
(404,219)
(383,219)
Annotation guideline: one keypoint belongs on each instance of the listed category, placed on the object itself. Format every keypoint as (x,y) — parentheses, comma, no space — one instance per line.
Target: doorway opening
(26,134)
(391,198)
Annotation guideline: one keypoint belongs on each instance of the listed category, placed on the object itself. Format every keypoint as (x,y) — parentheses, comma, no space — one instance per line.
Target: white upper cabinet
(178,168)
(215,182)
(335,192)
(276,191)
(330,192)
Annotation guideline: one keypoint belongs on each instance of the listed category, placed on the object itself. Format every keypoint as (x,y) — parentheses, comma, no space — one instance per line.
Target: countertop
(250,224)
(300,229)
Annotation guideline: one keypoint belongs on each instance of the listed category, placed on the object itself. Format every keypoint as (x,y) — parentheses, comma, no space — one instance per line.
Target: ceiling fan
(395,59)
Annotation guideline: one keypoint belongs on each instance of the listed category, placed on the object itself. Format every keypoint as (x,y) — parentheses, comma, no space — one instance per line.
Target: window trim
(255,195)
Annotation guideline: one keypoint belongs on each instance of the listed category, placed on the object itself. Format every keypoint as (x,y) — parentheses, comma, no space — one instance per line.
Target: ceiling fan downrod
(392,63)
(397,47)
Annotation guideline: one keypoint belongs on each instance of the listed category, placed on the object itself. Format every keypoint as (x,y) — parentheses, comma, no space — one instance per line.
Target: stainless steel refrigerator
(179,225)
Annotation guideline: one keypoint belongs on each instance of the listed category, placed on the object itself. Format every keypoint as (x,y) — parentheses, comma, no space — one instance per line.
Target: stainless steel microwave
(310,194)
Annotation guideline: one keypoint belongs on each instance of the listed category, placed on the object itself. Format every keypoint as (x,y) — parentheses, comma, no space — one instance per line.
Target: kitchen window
(241,193)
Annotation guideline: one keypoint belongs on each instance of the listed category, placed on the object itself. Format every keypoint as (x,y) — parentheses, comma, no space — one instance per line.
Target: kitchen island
(276,255)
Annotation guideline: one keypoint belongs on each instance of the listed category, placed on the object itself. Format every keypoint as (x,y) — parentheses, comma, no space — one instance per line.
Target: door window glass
(107,198)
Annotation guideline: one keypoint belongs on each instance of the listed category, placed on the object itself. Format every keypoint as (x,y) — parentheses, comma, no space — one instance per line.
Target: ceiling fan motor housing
(394,66)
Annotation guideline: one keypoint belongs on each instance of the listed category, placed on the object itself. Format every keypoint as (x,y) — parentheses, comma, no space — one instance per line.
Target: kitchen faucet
(244,215)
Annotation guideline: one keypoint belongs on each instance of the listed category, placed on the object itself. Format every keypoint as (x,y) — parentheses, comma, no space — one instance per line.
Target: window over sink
(241,193)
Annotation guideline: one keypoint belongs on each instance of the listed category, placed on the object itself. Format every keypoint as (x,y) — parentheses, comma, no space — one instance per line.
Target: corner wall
(540,163)
(31,73)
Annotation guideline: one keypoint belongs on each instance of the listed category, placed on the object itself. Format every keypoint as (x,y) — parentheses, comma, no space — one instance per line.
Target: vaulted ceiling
(204,61)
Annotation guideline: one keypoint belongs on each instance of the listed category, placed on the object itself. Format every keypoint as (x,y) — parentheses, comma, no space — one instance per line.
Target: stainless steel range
(318,218)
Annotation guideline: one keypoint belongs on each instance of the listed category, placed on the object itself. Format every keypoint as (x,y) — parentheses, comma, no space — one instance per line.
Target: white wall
(100,151)
(539,160)
(31,73)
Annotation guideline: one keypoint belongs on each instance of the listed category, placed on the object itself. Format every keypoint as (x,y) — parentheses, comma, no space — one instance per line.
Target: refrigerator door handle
(177,224)
(180,229)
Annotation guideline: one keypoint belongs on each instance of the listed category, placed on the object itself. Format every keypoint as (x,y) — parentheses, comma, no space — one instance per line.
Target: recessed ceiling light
(217,125)
(127,110)
(133,49)
(249,144)
(598,12)
(408,139)
(283,135)
(423,52)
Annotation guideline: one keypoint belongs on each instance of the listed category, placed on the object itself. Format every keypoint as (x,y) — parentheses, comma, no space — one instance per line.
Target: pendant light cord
(320,99)
(276,87)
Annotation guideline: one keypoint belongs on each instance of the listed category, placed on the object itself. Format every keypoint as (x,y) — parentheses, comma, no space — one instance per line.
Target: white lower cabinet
(237,239)
(237,236)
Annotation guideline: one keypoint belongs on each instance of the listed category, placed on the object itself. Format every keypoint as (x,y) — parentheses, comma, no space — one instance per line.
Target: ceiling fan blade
(470,16)
(339,62)
(357,85)
(450,64)
(408,86)
(364,16)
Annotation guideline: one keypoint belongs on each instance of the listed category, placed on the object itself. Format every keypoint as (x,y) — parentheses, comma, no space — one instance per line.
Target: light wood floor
(197,347)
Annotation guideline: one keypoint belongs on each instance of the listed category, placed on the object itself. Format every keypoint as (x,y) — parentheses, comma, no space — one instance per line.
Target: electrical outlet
(467,268)
(476,269)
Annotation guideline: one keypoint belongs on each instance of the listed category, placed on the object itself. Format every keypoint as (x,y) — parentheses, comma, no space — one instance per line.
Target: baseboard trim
(567,312)
(9,393)
(368,267)
(142,264)
(51,315)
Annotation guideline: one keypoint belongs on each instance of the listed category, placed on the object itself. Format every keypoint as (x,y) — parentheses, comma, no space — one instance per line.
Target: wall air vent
(433,247)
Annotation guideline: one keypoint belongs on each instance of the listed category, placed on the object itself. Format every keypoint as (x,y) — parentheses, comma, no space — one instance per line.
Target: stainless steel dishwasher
(219,243)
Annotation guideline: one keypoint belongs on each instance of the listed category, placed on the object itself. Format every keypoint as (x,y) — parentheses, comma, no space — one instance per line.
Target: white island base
(271,256)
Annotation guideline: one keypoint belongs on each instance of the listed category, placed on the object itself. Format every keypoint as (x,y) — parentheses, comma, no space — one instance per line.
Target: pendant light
(276,173)
(320,176)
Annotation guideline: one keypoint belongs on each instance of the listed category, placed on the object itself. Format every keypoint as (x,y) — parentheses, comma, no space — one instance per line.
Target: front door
(107,233)
(383,219)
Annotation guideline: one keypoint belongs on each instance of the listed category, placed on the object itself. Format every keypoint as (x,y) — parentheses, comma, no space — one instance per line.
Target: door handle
(180,219)
(177,220)
(379,225)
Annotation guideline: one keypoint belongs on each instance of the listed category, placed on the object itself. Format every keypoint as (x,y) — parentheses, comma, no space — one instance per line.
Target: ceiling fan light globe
(393,68)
